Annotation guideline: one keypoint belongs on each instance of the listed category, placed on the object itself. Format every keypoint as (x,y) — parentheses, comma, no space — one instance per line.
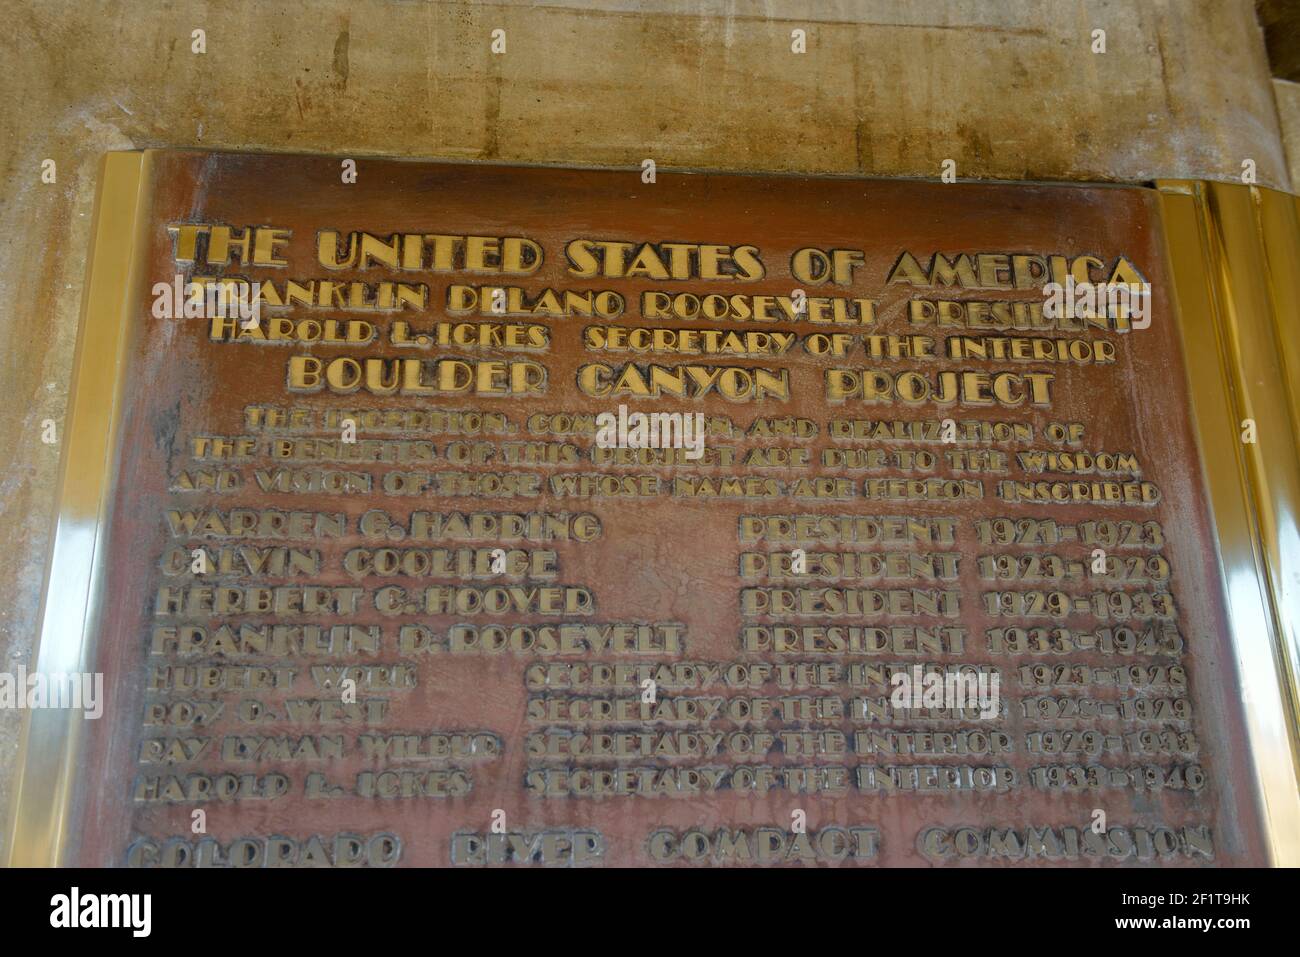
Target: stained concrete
(1008,90)
(1288,112)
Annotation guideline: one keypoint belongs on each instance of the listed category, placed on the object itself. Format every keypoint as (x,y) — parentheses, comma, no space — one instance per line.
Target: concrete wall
(1008,90)
(1288,112)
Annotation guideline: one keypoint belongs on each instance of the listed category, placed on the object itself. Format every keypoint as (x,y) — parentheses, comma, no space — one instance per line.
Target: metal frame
(1234,254)
(72,598)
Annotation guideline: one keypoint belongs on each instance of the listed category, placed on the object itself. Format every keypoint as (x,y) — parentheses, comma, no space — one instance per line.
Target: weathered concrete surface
(1288,112)
(1008,90)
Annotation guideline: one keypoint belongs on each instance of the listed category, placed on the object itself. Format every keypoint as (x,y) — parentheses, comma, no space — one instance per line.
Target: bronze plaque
(578,518)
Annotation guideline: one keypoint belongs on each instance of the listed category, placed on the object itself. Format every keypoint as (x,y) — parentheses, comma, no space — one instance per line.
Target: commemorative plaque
(475,515)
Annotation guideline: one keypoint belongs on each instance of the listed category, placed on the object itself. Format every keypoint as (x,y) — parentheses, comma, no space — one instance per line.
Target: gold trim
(1234,253)
(71,604)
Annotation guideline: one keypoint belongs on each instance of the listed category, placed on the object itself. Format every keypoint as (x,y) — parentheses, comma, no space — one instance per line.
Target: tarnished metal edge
(1233,254)
(72,600)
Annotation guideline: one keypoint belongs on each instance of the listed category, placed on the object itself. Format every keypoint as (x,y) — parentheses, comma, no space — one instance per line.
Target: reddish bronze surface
(662,559)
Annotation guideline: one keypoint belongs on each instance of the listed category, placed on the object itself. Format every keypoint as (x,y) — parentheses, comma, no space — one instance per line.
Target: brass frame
(1234,254)
(72,597)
